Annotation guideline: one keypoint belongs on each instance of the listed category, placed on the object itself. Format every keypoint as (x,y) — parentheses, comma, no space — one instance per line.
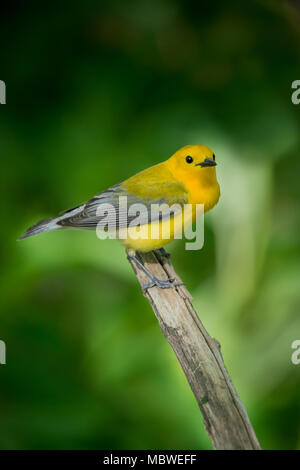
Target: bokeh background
(97,91)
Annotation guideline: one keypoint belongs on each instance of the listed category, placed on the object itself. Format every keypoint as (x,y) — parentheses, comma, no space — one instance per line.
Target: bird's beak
(206,162)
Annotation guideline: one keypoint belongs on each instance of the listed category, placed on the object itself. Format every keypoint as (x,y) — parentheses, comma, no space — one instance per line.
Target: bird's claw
(163,284)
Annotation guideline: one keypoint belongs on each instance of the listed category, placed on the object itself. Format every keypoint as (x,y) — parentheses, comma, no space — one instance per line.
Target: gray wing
(110,204)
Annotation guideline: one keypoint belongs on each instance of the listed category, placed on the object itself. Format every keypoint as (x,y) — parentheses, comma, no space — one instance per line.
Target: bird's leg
(162,283)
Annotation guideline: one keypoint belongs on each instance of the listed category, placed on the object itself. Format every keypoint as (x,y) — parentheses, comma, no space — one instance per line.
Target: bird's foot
(162,283)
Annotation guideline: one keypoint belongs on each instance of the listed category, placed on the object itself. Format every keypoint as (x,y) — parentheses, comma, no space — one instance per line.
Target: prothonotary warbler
(187,178)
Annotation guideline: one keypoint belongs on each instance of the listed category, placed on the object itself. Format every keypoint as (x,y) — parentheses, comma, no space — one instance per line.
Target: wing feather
(120,216)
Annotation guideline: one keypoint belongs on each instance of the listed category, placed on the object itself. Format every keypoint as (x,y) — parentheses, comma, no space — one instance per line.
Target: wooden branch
(225,418)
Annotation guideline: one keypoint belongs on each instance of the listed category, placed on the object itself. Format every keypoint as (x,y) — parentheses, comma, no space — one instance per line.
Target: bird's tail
(45,225)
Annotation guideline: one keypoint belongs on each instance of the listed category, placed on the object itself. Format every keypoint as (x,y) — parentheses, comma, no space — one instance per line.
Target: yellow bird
(187,177)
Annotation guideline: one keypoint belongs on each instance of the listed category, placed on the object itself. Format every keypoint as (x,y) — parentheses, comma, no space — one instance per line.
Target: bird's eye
(214,157)
(189,159)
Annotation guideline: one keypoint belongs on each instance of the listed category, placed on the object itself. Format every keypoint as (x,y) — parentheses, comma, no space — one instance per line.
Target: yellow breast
(202,188)
(157,234)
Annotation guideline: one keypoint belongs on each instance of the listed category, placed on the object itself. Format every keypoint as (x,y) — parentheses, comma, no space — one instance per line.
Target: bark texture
(226,420)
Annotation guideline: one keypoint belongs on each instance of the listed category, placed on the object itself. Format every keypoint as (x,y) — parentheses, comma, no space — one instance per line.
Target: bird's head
(194,162)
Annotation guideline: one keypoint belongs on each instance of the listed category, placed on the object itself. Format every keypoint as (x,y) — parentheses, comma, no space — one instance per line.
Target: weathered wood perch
(226,420)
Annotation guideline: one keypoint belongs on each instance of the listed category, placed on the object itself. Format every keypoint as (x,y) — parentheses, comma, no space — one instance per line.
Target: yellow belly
(155,235)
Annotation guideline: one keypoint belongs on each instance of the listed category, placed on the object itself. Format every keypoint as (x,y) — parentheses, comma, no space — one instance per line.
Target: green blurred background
(97,91)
